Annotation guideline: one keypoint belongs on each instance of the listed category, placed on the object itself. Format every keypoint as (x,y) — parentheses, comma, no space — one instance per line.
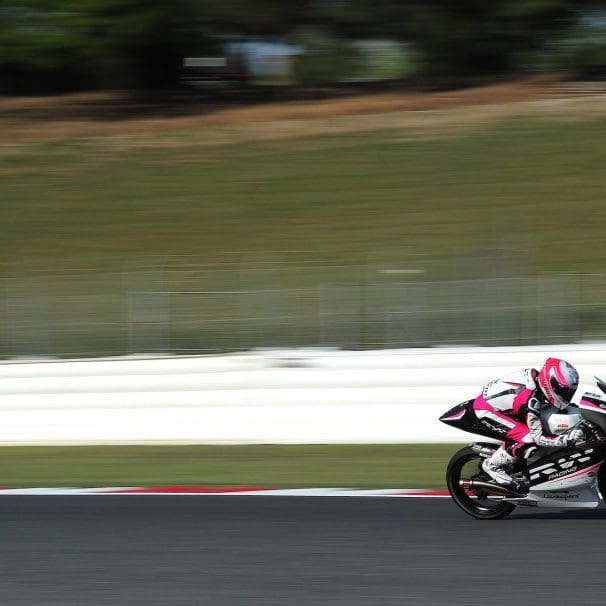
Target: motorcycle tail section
(460,416)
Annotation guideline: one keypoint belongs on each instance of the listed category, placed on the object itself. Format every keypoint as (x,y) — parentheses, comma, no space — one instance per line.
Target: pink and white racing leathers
(509,408)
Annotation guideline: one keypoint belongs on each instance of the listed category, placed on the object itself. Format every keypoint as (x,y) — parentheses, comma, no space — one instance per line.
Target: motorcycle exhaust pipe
(494,488)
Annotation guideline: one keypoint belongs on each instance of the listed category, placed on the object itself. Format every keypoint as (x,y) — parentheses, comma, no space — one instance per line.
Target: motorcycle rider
(510,407)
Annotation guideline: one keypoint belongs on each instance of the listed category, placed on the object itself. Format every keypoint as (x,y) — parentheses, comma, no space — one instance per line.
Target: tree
(255,17)
(44,46)
(67,44)
(141,43)
(462,37)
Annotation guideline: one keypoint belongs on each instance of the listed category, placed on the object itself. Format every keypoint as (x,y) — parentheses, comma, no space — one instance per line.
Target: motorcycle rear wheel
(466,465)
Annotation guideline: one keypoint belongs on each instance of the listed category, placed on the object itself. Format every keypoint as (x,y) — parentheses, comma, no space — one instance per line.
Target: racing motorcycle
(568,477)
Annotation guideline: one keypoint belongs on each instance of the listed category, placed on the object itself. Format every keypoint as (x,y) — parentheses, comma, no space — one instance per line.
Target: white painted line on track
(227,491)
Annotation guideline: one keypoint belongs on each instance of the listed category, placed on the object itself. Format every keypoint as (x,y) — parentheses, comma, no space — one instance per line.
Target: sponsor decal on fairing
(560,496)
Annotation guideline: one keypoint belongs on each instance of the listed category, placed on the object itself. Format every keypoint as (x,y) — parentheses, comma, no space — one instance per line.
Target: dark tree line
(70,44)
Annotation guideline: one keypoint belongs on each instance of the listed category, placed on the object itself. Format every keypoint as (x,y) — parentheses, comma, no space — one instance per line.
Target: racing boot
(498,465)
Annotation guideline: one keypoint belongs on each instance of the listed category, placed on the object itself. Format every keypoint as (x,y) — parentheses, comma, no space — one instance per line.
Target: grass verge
(441,184)
(352,466)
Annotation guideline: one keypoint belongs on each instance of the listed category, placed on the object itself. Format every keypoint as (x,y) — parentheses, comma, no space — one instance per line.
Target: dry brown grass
(30,120)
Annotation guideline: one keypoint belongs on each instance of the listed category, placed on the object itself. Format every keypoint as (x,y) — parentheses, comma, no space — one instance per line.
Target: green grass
(520,196)
(340,198)
(354,466)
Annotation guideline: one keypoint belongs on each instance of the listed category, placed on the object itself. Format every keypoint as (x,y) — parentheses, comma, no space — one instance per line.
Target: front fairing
(551,469)
(593,409)
(582,497)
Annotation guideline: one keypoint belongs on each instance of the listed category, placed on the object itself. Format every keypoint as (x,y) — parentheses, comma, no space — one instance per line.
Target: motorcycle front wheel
(464,467)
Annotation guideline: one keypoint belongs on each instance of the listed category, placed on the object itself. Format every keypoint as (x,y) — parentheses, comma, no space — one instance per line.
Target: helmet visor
(562,392)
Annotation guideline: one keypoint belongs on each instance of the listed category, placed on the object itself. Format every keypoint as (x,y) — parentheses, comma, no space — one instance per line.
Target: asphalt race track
(173,551)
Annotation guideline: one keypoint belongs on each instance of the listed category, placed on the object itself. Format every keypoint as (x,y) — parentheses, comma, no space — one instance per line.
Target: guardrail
(274,396)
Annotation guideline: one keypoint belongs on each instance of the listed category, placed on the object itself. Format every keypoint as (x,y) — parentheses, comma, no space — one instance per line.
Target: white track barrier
(295,396)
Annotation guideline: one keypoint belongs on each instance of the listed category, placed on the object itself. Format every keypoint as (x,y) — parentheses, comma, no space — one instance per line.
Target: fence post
(148,311)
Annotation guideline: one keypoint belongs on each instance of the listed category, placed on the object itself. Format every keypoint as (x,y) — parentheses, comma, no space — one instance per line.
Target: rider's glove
(576,437)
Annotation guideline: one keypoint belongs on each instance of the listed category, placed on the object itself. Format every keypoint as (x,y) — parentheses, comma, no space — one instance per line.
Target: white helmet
(558,380)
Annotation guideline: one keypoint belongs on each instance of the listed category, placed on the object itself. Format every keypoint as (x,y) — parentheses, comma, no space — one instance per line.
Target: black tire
(466,464)
(602,481)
